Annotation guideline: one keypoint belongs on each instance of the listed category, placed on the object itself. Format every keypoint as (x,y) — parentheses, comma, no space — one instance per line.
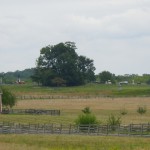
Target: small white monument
(133,82)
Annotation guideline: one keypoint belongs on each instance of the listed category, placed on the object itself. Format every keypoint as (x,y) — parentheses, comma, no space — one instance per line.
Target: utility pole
(0,102)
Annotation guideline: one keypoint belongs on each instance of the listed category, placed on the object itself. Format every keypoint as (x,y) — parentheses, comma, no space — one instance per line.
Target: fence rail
(24,97)
(121,130)
(31,111)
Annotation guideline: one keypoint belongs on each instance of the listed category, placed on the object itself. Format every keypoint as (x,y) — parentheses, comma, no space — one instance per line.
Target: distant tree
(8,98)
(105,76)
(11,77)
(148,82)
(62,62)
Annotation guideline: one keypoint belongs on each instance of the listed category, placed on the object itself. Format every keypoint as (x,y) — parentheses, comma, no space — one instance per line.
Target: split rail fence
(121,130)
(26,97)
(32,111)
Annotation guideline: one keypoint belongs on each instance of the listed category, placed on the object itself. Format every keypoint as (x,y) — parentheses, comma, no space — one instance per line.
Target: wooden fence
(121,130)
(23,97)
(32,111)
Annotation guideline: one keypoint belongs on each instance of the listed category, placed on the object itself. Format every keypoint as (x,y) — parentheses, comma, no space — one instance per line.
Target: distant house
(19,81)
(123,82)
(108,82)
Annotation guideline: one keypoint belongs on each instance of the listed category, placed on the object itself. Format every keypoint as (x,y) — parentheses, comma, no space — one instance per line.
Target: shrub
(85,119)
(113,121)
(123,111)
(8,98)
(86,110)
(141,110)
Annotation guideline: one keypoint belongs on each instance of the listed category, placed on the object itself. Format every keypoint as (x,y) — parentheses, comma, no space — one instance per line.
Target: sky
(114,33)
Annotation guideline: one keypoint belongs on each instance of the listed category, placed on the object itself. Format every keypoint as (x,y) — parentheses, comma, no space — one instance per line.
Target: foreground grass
(71,142)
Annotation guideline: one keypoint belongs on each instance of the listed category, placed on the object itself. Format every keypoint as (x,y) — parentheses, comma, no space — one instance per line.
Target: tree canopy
(60,65)
(8,98)
(105,76)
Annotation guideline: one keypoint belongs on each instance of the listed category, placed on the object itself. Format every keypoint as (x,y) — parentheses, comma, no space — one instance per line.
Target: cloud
(114,33)
(132,23)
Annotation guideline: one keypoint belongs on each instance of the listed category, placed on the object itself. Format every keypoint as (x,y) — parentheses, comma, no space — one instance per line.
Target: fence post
(44,127)
(52,128)
(70,129)
(60,128)
(107,129)
(141,129)
(0,102)
(118,129)
(98,126)
(130,129)
(78,129)
(148,127)
(89,129)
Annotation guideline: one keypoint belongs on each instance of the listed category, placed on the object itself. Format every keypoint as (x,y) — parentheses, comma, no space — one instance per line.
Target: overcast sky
(114,33)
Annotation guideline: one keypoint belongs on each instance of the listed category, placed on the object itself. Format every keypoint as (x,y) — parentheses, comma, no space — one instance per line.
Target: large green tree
(60,64)
(105,76)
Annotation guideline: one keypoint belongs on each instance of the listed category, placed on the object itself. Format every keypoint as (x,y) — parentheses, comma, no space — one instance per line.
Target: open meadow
(71,108)
(103,101)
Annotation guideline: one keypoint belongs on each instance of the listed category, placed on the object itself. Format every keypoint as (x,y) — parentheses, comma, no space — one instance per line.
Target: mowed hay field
(71,108)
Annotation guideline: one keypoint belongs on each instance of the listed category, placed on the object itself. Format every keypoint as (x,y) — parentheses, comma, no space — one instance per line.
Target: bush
(113,121)
(123,111)
(141,110)
(86,110)
(85,119)
(8,98)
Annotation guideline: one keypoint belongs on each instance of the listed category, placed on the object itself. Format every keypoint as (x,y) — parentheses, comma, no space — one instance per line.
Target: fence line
(31,111)
(120,130)
(24,97)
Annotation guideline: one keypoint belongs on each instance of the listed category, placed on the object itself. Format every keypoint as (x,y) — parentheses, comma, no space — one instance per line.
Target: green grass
(71,142)
(86,90)
(37,119)
(133,91)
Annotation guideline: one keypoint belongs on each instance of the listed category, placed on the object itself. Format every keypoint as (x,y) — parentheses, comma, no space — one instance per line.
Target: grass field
(111,100)
(67,142)
(71,108)
(86,90)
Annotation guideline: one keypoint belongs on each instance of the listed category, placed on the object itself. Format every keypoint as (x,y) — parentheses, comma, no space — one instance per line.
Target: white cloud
(115,33)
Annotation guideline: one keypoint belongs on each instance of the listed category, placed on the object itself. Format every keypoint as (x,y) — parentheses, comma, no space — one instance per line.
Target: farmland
(103,100)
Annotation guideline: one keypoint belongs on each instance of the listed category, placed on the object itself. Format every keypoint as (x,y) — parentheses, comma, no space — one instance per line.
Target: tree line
(60,65)
(11,77)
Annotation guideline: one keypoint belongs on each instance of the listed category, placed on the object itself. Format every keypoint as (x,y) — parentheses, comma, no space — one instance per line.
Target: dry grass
(78,104)
(102,107)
